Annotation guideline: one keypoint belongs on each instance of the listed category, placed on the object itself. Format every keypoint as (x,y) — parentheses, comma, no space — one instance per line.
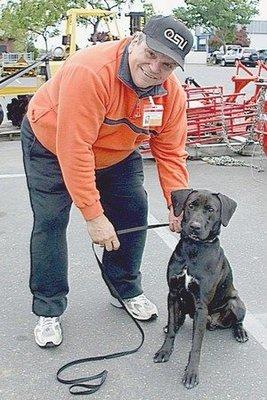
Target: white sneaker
(48,332)
(139,307)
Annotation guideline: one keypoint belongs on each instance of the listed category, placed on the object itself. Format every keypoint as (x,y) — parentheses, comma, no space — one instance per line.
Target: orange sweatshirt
(90,115)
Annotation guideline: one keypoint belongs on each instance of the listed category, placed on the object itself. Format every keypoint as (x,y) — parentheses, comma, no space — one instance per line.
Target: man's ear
(179,198)
(134,41)
(228,208)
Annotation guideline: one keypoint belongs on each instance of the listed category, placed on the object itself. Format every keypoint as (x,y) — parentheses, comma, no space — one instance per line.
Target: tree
(241,37)
(24,20)
(149,10)
(31,18)
(219,17)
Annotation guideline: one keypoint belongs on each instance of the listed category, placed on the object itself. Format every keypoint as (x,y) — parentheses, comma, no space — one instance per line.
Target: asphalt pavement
(228,370)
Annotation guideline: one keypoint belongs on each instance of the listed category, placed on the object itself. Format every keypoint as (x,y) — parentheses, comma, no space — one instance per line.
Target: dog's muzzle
(195,230)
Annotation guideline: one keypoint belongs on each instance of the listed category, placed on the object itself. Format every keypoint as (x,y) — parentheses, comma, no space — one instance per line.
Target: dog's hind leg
(232,316)
(237,307)
(240,333)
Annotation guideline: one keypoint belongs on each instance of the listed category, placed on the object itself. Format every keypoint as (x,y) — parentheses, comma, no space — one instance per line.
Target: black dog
(199,276)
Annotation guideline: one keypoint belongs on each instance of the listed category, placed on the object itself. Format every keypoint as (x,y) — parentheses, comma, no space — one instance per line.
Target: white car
(246,55)
(216,56)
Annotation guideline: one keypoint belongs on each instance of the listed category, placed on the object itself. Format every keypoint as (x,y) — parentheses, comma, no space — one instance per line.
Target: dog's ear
(228,208)
(179,198)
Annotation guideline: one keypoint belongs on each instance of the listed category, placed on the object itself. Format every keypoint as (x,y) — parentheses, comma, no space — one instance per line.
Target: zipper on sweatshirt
(136,113)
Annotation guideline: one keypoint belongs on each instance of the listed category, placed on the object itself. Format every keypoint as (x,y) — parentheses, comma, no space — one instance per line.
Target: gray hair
(140,36)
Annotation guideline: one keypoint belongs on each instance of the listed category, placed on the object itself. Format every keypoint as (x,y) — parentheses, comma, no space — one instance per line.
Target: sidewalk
(228,370)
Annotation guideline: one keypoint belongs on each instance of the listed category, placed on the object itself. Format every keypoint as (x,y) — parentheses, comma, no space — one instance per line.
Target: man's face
(148,67)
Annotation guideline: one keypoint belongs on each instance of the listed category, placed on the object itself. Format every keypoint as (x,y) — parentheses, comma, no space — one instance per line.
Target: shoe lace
(48,324)
(140,300)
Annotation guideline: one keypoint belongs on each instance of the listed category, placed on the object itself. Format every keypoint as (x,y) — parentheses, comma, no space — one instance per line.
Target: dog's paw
(162,356)
(240,334)
(190,378)
(211,327)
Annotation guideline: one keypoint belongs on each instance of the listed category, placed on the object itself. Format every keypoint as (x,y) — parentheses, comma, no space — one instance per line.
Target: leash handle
(77,384)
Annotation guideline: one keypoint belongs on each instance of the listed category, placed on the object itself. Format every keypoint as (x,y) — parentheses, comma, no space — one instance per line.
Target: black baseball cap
(168,36)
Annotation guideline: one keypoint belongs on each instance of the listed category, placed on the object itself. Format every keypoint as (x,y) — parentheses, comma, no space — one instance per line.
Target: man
(79,142)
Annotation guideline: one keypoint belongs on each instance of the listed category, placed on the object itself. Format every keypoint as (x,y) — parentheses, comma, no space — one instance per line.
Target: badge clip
(152,114)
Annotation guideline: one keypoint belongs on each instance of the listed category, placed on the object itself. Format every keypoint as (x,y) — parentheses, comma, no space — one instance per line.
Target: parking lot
(228,370)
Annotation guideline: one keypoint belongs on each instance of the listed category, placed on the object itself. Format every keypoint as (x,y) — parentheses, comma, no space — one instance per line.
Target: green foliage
(106,4)
(149,10)
(27,19)
(219,17)
(24,20)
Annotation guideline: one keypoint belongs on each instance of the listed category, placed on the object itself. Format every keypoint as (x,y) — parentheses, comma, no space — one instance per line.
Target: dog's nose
(195,226)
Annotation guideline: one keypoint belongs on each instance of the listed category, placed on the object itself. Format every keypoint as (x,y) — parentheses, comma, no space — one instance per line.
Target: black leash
(78,385)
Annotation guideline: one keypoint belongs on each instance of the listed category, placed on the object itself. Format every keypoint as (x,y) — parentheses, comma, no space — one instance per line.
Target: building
(257,31)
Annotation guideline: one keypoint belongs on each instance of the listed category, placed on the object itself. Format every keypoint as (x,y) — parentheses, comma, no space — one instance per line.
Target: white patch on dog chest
(188,278)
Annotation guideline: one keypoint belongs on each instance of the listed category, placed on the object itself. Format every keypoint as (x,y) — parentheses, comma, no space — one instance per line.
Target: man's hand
(102,232)
(175,222)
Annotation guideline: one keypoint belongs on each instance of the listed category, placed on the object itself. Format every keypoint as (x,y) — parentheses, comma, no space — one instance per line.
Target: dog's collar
(195,239)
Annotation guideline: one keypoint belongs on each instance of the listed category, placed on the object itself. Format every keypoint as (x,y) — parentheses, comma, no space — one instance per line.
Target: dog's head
(204,212)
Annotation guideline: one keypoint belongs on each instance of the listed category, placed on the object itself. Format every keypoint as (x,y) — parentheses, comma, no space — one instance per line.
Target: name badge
(152,114)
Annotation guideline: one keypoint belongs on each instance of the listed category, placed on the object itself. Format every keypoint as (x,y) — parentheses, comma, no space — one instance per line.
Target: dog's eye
(191,205)
(210,209)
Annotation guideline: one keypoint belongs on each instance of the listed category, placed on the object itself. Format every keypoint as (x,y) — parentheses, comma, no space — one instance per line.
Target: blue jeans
(124,202)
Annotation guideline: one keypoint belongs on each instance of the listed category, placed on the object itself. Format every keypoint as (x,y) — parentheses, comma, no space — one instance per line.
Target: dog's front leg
(163,354)
(175,320)
(191,375)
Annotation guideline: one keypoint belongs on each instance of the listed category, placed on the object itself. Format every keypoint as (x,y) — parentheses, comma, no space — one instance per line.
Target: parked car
(262,54)
(248,56)
(216,55)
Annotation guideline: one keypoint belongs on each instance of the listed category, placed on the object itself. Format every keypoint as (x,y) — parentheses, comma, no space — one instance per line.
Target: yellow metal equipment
(17,90)
(13,62)
(69,40)
(109,17)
